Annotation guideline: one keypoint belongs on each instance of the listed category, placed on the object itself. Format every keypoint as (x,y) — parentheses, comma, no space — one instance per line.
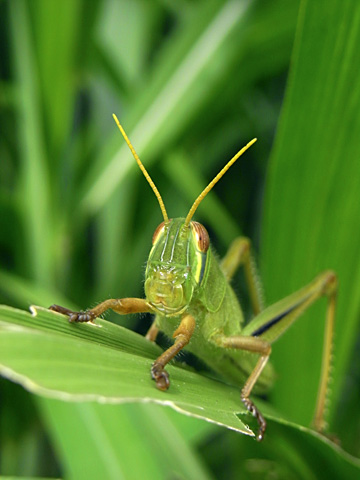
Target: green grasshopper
(188,290)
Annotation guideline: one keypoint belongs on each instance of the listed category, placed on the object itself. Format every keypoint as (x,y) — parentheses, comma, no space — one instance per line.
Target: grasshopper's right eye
(201,235)
(158,231)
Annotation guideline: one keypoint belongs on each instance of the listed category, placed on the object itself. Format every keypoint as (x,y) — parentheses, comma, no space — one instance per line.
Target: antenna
(215,180)
(143,169)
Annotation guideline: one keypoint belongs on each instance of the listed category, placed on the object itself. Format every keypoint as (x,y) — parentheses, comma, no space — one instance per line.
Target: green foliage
(191,82)
(38,353)
(317,172)
(106,364)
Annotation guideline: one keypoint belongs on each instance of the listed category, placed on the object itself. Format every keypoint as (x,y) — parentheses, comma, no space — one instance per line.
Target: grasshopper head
(177,261)
(176,265)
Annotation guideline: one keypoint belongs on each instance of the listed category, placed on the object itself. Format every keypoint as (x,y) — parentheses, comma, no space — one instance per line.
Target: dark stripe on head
(203,265)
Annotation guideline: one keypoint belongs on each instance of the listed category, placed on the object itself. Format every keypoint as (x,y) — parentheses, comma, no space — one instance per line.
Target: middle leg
(239,254)
(254,345)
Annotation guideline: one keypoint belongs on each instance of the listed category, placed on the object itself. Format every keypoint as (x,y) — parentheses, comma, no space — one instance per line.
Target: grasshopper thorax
(176,265)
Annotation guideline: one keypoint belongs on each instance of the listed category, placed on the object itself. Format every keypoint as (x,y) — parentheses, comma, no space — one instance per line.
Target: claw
(74,317)
(160,376)
(258,415)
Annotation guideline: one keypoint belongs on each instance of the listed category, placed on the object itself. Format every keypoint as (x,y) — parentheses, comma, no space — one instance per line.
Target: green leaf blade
(76,368)
(311,213)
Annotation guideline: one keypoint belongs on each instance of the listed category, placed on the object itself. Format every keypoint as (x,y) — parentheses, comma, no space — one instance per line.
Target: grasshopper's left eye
(201,236)
(159,229)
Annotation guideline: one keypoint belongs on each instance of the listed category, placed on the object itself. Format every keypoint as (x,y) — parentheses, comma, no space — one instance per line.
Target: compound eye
(159,229)
(201,236)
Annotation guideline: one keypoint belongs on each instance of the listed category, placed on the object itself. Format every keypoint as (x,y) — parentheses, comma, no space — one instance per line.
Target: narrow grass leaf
(311,220)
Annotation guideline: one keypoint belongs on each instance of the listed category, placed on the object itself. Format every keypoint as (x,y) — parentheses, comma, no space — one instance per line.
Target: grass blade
(311,220)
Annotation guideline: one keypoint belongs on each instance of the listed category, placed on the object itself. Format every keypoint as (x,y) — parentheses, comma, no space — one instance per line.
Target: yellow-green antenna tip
(215,180)
(143,169)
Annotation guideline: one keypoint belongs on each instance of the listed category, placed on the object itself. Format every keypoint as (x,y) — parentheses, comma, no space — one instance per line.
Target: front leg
(182,337)
(153,331)
(122,306)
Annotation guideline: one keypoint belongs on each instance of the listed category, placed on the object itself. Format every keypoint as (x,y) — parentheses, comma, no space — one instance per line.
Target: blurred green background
(191,82)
